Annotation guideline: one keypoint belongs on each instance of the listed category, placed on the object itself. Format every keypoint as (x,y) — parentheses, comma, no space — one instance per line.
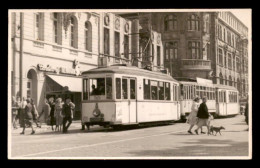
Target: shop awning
(73,84)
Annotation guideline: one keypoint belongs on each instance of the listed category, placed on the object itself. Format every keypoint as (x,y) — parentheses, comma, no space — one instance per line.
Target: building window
(230,81)
(193,50)
(170,23)
(220,56)
(106,41)
(207,26)
(73,33)
(171,50)
(220,32)
(229,37)
(117,46)
(193,22)
(234,62)
(158,55)
(238,65)
(229,61)
(126,46)
(38,26)
(220,78)
(224,35)
(88,36)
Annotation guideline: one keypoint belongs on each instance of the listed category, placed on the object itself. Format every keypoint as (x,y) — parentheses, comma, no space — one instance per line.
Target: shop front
(65,87)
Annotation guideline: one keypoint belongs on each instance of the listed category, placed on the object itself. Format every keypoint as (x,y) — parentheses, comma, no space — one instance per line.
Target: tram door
(222,105)
(129,97)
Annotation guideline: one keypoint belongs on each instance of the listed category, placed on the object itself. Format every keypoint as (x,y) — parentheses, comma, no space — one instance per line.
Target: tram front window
(154,90)
(97,86)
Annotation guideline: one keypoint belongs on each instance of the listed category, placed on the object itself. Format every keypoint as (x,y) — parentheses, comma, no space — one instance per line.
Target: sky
(243,15)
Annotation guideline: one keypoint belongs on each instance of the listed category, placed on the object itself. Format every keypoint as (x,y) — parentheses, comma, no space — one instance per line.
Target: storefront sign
(62,70)
(48,68)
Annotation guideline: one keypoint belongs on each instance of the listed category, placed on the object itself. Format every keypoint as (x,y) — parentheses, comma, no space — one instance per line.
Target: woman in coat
(28,117)
(57,114)
(52,117)
(14,112)
(192,118)
(203,115)
(35,114)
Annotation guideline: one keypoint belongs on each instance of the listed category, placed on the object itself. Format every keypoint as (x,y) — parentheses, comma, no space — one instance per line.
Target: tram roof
(225,87)
(131,70)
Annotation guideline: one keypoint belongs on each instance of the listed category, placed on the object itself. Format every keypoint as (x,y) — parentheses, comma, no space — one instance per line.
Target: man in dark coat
(203,115)
(28,117)
(67,112)
(246,113)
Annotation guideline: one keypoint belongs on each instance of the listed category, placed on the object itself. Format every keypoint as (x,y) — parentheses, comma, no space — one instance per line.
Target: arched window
(193,22)
(88,36)
(57,29)
(73,33)
(38,26)
(170,23)
(220,78)
(230,80)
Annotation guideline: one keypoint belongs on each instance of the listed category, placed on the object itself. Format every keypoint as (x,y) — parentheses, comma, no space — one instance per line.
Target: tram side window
(97,86)
(147,89)
(124,89)
(118,88)
(109,88)
(161,91)
(224,93)
(175,93)
(154,90)
(85,92)
(132,89)
(167,91)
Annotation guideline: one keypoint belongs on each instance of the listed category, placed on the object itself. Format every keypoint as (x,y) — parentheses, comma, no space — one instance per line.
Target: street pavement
(167,141)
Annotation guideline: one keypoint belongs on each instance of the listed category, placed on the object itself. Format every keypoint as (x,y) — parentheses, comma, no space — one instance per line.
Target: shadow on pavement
(98,130)
(201,147)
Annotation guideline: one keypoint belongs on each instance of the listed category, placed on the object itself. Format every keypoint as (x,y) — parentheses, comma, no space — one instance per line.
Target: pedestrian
(192,118)
(58,114)
(52,117)
(35,114)
(19,109)
(246,113)
(14,112)
(28,118)
(67,113)
(22,111)
(203,115)
(45,110)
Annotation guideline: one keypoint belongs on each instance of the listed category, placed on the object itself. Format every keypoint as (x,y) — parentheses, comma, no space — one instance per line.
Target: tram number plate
(96,119)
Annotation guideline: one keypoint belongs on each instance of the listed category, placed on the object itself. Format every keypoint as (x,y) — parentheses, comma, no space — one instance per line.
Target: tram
(227,100)
(222,100)
(127,95)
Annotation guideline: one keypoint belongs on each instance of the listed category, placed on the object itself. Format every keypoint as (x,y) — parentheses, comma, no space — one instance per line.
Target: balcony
(195,64)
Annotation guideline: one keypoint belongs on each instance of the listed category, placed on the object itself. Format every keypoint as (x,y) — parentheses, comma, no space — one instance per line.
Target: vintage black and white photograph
(129,84)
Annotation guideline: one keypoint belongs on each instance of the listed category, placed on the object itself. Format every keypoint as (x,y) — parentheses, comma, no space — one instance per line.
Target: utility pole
(21,55)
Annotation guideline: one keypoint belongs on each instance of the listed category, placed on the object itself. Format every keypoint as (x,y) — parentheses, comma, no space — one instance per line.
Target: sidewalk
(44,127)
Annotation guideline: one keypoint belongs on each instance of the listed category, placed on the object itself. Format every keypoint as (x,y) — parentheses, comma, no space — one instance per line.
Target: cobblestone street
(147,142)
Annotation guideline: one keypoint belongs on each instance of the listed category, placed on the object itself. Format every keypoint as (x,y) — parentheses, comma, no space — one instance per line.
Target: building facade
(56,47)
(210,45)
(231,52)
